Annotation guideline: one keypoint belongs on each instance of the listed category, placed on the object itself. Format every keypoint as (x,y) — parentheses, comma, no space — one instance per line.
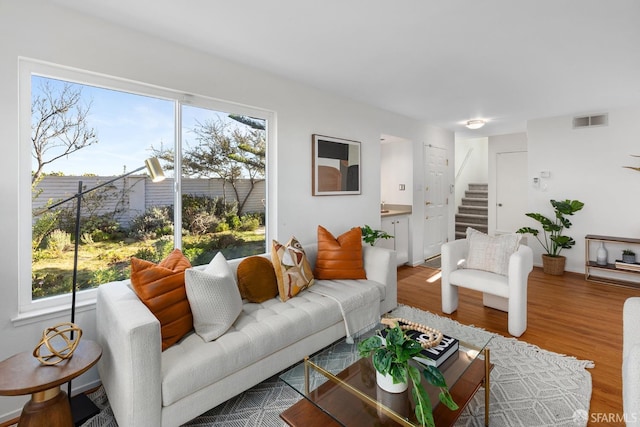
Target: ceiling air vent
(589,121)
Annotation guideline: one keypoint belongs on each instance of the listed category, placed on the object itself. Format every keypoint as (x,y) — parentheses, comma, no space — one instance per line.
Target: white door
(511,191)
(436,196)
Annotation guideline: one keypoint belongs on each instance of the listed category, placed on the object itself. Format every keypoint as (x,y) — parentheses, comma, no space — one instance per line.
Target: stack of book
(437,355)
(434,356)
(627,265)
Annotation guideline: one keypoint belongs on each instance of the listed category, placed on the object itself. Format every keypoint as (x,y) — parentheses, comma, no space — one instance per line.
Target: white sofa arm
(130,368)
(380,265)
(631,361)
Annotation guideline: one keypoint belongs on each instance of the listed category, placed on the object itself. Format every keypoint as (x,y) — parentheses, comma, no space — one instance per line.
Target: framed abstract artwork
(335,166)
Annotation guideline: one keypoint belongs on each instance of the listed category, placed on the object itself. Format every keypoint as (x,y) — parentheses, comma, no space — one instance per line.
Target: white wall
(396,167)
(39,30)
(474,170)
(586,164)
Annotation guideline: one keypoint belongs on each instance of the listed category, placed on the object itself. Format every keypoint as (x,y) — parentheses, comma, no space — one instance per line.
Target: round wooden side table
(49,406)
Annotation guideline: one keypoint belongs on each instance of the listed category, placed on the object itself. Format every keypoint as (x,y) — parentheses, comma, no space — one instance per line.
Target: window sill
(49,313)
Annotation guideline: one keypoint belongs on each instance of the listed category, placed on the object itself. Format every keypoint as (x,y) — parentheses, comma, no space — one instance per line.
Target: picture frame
(335,166)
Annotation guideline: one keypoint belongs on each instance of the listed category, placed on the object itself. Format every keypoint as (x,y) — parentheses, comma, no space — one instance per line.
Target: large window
(91,129)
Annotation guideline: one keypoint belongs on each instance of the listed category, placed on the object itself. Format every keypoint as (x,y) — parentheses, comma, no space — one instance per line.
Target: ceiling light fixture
(475,124)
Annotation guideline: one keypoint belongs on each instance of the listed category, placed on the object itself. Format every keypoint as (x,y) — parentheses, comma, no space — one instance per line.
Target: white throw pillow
(491,253)
(214,298)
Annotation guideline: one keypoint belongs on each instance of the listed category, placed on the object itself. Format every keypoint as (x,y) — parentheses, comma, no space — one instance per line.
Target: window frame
(27,307)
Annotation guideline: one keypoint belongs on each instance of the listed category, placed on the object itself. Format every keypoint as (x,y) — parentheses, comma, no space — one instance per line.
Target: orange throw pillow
(257,279)
(339,258)
(161,289)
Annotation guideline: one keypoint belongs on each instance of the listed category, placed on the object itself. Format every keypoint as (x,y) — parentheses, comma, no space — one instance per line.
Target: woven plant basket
(553,265)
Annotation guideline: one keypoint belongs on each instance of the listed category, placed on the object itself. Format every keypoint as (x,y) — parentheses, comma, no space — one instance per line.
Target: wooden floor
(566,314)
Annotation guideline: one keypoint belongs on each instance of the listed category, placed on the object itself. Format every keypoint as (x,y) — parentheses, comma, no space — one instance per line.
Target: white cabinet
(398,227)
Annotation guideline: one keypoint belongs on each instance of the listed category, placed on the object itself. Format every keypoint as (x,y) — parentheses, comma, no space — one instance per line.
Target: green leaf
(424,410)
(399,372)
(382,360)
(395,337)
(529,230)
(447,400)
(434,376)
(368,346)
(409,349)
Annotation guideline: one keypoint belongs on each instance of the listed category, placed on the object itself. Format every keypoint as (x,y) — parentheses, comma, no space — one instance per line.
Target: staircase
(473,210)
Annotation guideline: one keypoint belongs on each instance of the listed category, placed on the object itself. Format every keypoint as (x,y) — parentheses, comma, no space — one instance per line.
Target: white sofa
(631,361)
(147,387)
(506,293)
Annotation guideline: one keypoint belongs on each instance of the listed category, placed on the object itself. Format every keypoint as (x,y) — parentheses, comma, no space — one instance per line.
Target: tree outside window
(93,134)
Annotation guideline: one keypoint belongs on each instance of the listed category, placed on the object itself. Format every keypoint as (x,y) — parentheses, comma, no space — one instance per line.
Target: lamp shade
(154,168)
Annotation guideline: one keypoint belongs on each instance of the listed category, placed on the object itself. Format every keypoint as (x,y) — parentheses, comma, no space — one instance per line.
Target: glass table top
(336,380)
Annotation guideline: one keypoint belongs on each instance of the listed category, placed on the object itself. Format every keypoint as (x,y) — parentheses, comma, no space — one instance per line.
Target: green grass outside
(102,262)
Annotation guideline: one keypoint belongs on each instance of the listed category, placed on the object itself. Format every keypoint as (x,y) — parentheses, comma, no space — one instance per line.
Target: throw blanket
(359,303)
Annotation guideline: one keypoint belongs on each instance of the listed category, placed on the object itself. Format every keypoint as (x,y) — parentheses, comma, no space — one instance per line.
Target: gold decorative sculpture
(60,341)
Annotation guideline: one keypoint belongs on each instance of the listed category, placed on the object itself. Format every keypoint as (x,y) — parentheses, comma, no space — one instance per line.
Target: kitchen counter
(394,210)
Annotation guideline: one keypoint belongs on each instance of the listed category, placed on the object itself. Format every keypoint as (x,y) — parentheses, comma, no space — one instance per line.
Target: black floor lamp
(82,407)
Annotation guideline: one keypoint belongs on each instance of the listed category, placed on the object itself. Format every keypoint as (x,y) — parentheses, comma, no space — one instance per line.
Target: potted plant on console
(391,356)
(554,241)
(628,256)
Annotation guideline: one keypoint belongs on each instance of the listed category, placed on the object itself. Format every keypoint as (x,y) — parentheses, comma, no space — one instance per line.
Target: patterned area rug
(529,387)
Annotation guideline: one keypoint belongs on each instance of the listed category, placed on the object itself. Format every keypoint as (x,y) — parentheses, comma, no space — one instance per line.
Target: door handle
(427,203)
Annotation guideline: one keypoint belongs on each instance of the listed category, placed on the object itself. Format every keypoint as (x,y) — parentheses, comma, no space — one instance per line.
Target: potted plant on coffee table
(391,356)
(554,241)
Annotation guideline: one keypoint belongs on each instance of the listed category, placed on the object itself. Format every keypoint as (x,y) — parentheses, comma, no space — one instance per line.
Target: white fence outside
(143,194)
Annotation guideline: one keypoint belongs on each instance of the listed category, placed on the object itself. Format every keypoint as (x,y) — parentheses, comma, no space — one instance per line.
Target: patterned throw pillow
(214,298)
(340,258)
(257,279)
(161,288)
(490,253)
(292,268)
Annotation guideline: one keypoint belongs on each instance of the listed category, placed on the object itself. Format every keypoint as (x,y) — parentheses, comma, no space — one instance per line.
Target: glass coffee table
(339,388)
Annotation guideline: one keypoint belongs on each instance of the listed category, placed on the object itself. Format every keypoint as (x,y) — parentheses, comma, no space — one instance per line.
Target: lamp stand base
(82,408)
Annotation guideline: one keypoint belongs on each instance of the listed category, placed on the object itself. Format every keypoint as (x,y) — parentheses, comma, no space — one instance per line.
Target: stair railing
(464,163)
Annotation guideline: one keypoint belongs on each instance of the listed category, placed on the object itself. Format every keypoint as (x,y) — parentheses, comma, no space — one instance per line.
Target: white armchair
(506,293)
(631,361)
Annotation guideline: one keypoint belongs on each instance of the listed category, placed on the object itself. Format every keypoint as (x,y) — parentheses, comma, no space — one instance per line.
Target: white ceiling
(443,61)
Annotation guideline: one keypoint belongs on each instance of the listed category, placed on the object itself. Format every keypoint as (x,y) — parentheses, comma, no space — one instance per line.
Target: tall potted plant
(554,241)
(391,356)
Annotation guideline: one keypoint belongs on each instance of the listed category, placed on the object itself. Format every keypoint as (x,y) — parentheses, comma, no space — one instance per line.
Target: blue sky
(127,126)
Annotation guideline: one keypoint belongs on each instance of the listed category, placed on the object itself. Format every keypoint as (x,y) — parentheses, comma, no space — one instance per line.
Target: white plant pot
(385,382)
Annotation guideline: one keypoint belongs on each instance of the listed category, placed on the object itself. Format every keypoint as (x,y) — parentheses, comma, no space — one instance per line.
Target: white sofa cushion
(260,330)
(214,298)
(479,280)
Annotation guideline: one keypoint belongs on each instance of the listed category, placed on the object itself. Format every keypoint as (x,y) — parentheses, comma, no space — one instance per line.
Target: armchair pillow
(214,298)
(161,288)
(341,257)
(490,253)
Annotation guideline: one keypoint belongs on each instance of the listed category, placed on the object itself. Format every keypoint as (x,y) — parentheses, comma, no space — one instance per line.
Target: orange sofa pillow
(161,288)
(339,258)
(257,279)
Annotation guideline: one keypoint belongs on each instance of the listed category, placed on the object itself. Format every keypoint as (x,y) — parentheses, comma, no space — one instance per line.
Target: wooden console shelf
(591,267)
